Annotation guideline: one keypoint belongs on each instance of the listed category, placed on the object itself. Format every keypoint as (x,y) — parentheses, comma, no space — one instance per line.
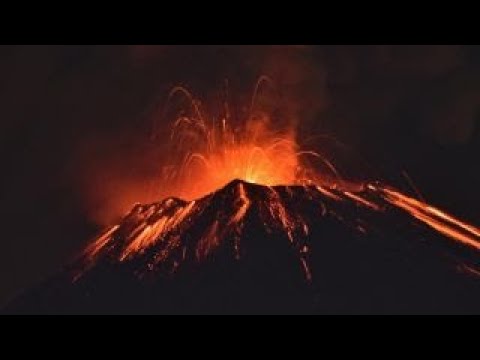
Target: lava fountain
(206,155)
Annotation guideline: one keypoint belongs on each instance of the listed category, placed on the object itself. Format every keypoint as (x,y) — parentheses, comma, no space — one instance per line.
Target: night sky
(73,126)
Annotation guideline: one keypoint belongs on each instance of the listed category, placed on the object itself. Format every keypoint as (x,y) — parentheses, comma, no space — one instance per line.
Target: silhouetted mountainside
(252,249)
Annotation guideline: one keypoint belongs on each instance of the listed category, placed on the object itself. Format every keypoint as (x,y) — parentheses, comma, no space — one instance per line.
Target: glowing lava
(207,154)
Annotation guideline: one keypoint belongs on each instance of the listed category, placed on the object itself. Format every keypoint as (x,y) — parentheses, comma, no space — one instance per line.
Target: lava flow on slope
(161,237)
(250,248)
(253,227)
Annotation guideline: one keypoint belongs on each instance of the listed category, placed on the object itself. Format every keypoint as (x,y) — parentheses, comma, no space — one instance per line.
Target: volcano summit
(250,248)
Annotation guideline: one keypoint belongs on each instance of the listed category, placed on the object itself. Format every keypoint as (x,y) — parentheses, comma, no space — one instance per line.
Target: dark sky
(72,124)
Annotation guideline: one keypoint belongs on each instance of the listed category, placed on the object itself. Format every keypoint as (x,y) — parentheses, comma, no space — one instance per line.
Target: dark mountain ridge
(248,249)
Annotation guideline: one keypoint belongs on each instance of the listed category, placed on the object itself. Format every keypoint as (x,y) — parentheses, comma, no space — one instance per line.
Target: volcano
(255,249)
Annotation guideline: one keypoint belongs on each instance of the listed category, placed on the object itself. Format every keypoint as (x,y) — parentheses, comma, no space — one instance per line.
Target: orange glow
(206,154)
(361,201)
(244,204)
(150,234)
(99,244)
(328,193)
(254,155)
(437,219)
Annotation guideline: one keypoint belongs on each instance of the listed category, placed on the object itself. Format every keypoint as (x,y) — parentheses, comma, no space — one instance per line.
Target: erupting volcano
(254,223)
(206,154)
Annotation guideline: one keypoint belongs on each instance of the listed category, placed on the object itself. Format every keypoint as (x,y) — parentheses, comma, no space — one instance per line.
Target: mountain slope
(286,249)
